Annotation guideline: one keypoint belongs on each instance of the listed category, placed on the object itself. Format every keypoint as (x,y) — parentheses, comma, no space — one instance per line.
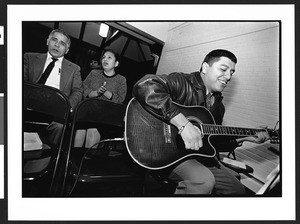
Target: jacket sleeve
(76,93)
(120,93)
(155,92)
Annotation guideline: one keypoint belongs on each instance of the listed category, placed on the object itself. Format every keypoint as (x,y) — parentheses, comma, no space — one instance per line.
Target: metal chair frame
(53,104)
(108,117)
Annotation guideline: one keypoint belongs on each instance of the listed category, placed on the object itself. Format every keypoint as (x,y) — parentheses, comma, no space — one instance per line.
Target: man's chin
(219,89)
(55,54)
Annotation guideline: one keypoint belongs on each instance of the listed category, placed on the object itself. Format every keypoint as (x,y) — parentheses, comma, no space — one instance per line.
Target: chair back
(107,116)
(42,103)
(95,111)
(45,100)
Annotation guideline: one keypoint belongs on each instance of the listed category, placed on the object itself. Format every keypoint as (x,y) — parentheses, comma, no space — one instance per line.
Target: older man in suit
(61,73)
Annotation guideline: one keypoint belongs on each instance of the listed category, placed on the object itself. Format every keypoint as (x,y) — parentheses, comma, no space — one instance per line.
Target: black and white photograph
(118,110)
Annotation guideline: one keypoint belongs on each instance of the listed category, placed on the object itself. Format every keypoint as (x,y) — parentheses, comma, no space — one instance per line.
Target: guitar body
(155,145)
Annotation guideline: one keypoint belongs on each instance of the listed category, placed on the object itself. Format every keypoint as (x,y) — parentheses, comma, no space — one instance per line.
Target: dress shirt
(54,77)
(210,99)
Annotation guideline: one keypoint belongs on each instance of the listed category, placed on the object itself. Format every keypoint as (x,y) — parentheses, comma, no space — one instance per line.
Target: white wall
(156,29)
(252,97)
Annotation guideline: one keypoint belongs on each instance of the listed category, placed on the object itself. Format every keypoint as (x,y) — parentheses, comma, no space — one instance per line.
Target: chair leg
(231,153)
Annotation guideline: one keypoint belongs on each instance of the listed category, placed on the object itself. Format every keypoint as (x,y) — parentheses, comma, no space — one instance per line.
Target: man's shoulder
(181,75)
(34,54)
(69,63)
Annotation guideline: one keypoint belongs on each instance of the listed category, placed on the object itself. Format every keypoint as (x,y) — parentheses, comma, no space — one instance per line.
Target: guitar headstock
(274,134)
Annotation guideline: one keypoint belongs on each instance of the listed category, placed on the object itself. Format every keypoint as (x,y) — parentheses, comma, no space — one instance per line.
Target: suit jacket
(70,80)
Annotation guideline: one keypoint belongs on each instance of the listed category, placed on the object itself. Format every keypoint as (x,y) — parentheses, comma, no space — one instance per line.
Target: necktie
(47,71)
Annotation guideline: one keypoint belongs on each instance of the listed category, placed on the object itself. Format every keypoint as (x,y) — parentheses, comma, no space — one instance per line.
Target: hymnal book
(32,141)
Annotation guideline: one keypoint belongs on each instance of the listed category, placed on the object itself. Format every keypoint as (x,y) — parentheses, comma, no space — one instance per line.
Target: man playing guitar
(159,94)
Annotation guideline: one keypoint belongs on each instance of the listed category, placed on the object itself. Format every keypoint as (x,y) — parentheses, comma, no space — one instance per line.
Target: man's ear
(204,67)
(116,64)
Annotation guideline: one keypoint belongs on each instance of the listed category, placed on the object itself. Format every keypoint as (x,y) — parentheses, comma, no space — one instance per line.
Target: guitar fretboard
(225,130)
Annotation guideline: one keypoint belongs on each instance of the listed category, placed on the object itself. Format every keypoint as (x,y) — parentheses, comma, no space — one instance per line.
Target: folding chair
(42,105)
(106,170)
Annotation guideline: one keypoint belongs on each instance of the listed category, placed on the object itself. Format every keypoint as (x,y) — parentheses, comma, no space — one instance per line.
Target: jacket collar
(197,81)
(39,65)
(66,69)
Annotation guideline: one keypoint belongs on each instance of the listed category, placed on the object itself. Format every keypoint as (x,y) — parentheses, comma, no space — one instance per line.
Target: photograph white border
(1,169)
(207,208)
(2,148)
(1,35)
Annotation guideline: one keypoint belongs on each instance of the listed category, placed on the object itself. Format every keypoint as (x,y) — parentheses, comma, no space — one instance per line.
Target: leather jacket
(157,92)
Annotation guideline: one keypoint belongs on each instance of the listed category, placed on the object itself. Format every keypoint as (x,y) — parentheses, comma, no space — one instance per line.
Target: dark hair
(117,56)
(215,55)
(63,33)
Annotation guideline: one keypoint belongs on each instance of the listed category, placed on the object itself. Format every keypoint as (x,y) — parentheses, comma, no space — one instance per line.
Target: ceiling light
(103,31)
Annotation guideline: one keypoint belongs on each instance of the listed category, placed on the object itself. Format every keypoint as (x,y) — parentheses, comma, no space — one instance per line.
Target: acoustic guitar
(155,145)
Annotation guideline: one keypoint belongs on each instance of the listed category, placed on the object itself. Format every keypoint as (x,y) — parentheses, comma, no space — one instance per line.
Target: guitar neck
(209,129)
